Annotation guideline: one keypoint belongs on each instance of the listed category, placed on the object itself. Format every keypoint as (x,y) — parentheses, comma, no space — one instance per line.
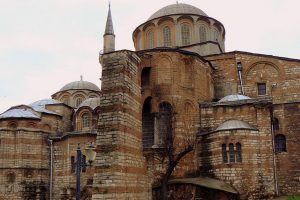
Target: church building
(239,112)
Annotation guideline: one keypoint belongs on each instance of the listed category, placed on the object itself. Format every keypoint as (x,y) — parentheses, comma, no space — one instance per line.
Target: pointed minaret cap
(109,36)
(109,29)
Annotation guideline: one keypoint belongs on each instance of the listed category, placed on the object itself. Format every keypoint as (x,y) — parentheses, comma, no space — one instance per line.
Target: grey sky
(45,44)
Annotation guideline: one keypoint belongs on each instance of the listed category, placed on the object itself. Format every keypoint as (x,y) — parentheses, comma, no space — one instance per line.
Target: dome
(80,85)
(179,8)
(91,103)
(21,111)
(235,124)
(40,106)
(234,97)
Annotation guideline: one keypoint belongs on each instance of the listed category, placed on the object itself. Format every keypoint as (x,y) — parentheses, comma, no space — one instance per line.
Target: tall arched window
(147,124)
(238,152)
(275,124)
(78,101)
(202,33)
(150,39)
(86,121)
(185,34)
(231,153)
(216,36)
(146,76)
(165,123)
(167,36)
(224,153)
(280,143)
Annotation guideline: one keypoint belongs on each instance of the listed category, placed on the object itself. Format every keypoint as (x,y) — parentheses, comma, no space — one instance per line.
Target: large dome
(179,8)
(80,85)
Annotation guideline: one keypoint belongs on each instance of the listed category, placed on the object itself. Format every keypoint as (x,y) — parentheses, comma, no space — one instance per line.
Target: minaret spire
(109,36)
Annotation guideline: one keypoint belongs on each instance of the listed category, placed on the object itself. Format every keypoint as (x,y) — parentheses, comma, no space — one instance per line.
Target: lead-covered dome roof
(234,97)
(179,8)
(91,103)
(80,85)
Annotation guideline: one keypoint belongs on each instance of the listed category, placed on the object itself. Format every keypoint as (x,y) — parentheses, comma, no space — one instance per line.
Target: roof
(235,124)
(234,97)
(179,8)
(109,29)
(40,106)
(90,102)
(21,111)
(80,85)
(206,182)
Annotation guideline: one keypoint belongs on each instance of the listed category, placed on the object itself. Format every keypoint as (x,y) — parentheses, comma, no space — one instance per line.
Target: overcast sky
(45,44)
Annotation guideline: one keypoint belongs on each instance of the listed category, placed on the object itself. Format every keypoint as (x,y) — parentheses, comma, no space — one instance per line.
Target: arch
(261,65)
(150,39)
(47,127)
(65,99)
(31,125)
(12,124)
(231,153)
(224,153)
(216,35)
(148,26)
(145,76)
(165,123)
(147,124)
(203,19)
(185,34)
(185,17)
(238,152)
(86,120)
(165,19)
(280,143)
(275,124)
(11,177)
(167,36)
(165,70)
(202,33)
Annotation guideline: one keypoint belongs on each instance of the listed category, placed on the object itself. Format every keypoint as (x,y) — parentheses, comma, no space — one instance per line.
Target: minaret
(109,36)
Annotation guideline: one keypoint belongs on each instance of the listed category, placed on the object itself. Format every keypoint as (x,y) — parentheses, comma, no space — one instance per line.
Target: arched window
(216,36)
(275,124)
(238,152)
(73,164)
(146,76)
(185,35)
(78,101)
(165,123)
(147,124)
(150,40)
(202,33)
(231,153)
(86,121)
(280,143)
(224,153)
(167,36)
(11,177)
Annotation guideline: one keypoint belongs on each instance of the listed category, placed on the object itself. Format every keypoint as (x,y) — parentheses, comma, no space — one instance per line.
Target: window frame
(280,143)
(259,89)
(167,34)
(185,34)
(86,120)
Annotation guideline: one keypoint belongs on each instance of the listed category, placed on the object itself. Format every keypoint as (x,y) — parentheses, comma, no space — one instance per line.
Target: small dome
(80,85)
(39,106)
(179,8)
(20,112)
(235,124)
(234,97)
(91,103)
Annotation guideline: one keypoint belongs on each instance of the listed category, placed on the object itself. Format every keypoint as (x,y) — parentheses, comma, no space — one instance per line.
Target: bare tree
(177,139)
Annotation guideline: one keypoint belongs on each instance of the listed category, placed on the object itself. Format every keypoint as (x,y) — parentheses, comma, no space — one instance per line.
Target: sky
(45,44)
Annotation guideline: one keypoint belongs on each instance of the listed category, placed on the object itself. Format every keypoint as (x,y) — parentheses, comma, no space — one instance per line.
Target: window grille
(202,32)
(150,40)
(280,143)
(86,122)
(185,34)
(167,36)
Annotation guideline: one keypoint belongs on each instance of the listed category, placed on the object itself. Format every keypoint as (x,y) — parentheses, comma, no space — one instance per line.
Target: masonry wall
(254,176)
(24,160)
(120,170)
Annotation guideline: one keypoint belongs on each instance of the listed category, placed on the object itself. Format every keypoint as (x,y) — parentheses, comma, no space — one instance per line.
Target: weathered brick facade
(241,111)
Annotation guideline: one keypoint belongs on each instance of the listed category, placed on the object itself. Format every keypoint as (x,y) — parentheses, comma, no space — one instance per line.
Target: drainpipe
(273,148)
(51,169)
(239,69)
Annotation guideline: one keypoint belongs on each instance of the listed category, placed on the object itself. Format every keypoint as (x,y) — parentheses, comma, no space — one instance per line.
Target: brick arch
(164,70)
(12,124)
(165,19)
(31,125)
(256,65)
(185,18)
(149,26)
